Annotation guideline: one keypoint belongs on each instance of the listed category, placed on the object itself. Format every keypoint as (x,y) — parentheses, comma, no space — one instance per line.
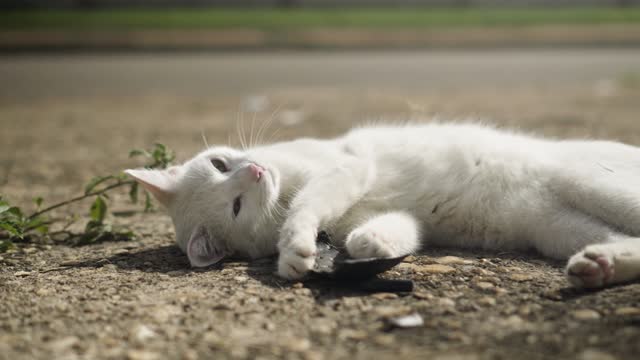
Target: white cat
(385,191)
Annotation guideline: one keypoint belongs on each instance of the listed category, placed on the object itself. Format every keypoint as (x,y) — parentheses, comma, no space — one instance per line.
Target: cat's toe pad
(295,263)
(368,244)
(590,268)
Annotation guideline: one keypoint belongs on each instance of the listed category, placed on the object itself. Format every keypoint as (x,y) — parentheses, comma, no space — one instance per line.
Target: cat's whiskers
(266,124)
(204,139)
(253,123)
(240,131)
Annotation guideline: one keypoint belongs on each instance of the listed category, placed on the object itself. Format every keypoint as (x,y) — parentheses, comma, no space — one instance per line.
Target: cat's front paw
(367,243)
(592,267)
(297,254)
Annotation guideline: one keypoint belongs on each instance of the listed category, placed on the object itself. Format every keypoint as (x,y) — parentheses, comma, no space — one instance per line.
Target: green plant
(16,226)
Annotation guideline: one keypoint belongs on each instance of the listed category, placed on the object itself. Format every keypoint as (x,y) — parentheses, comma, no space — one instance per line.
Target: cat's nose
(256,171)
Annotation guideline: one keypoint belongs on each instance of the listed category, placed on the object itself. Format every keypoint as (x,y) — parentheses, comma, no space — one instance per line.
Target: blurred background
(84,81)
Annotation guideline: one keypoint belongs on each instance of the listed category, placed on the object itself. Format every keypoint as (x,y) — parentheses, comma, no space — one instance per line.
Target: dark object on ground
(336,265)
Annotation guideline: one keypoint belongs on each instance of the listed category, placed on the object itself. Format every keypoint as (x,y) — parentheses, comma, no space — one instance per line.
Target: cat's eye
(236,206)
(219,164)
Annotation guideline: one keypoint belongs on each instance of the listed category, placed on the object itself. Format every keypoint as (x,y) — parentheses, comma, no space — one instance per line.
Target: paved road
(239,73)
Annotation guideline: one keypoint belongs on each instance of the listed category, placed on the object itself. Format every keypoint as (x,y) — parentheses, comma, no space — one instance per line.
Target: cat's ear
(161,184)
(201,250)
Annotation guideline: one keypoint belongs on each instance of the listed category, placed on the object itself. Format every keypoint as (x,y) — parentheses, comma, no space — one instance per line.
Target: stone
(407,321)
(142,355)
(520,277)
(456,356)
(29,250)
(384,296)
(390,311)
(585,314)
(141,333)
(384,340)
(627,311)
(422,295)
(63,344)
(592,354)
(298,344)
(43,292)
(484,285)
(352,334)
(487,301)
(446,302)
(448,260)
(436,269)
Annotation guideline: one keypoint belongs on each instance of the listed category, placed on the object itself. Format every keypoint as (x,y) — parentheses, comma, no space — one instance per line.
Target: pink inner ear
(202,252)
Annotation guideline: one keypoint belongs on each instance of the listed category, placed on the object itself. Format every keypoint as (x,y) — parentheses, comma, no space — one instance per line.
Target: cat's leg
(324,199)
(599,265)
(604,190)
(387,235)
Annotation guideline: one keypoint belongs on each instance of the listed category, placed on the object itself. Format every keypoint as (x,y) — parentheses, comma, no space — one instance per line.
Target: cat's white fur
(387,190)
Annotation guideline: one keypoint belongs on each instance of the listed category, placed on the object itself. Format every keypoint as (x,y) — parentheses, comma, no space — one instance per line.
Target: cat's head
(221,202)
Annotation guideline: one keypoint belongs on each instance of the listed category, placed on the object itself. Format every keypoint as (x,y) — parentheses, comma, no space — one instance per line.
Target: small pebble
(29,250)
(141,333)
(407,321)
(585,314)
(142,355)
(593,354)
(448,260)
(422,295)
(384,296)
(487,301)
(43,292)
(384,340)
(627,311)
(390,311)
(352,334)
(483,285)
(446,302)
(436,269)
(521,277)
(298,345)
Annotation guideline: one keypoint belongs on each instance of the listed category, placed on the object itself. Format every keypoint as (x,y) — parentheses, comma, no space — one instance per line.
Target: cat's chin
(270,187)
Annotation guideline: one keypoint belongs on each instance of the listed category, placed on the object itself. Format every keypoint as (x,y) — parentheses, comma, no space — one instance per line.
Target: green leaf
(4,207)
(98,210)
(95,182)
(42,229)
(12,230)
(33,223)
(92,226)
(162,156)
(133,193)
(148,204)
(15,211)
(38,201)
(138,152)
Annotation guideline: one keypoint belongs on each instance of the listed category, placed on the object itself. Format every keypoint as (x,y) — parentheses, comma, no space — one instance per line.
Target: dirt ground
(140,300)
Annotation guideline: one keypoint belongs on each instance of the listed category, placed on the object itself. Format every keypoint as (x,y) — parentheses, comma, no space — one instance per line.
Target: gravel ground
(141,300)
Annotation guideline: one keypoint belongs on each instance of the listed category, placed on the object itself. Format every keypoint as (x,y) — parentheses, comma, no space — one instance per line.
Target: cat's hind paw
(591,268)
